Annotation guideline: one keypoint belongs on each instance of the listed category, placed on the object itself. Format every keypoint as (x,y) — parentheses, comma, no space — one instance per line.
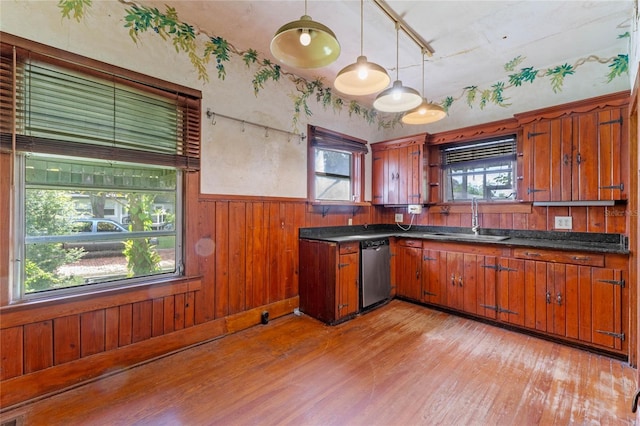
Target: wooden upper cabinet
(398,173)
(577,153)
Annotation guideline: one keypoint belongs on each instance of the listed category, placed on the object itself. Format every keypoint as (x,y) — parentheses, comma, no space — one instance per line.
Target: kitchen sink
(452,236)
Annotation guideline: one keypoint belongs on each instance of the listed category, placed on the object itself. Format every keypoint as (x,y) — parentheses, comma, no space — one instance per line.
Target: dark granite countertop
(573,241)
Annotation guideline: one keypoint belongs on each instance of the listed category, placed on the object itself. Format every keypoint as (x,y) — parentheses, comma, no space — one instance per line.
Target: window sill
(483,207)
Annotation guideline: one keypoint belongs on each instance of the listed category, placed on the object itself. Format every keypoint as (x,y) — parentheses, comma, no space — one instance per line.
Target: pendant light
(305,43)
(362,77)
(426,112)
(397,98)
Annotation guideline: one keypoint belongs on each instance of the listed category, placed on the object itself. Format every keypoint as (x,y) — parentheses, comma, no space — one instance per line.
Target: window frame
(329,140)
(481,162)
(17,144)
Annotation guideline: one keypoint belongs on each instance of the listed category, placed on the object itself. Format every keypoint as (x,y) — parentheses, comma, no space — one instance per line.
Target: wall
(243,211)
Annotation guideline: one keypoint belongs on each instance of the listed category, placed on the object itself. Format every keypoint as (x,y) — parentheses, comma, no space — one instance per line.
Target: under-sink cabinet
(329,279)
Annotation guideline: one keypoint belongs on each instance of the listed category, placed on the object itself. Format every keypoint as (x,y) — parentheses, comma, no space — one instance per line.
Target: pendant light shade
(397,98)
(425,113)
(363,77)
(305,43)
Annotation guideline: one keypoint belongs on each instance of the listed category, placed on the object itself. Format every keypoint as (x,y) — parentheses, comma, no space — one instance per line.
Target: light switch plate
(399,217)
(563,222)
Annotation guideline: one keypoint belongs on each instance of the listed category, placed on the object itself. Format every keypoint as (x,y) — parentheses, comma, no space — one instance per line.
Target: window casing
(336,172)
(98,170)
(483,170)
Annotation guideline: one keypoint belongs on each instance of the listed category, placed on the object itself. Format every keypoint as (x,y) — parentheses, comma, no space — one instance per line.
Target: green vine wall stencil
(184,37)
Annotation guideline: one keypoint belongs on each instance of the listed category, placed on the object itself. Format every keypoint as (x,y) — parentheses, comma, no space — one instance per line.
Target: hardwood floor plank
(400,364)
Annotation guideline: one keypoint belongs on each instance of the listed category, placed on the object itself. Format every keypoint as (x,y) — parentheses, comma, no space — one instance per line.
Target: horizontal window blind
(321,138)
(501,149)
(65,111)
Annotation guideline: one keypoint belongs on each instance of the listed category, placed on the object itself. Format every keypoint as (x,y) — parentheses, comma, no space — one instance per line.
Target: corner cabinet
(329,280)
(398,172)
(576,152)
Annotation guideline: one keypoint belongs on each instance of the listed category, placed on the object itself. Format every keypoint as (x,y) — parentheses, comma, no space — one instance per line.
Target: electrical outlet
(563,222)
(350,221)
(399,217)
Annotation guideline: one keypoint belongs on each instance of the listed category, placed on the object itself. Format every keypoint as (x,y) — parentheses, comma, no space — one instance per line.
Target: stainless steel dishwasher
(375,272)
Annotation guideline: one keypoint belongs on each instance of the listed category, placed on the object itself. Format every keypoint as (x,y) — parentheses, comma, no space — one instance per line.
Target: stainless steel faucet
(474,216)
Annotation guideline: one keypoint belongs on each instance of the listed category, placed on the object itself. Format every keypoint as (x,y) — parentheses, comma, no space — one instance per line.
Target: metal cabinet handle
(460,281)
(566,159)
(581,258)
(453,280)
(559,298)
(417,274)
(548,298)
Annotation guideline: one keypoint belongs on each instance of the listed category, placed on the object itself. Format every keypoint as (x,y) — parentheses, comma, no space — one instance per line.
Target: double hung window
(98,163)
(483,170)
(336,165)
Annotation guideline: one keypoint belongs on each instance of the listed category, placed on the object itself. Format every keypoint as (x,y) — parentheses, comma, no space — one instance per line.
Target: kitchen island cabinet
(329,280)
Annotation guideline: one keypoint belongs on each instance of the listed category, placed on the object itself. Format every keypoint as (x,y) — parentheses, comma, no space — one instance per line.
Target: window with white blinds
(484,170)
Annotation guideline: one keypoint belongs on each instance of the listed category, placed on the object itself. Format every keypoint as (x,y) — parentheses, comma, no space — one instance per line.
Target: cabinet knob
(453,280)
(559,299)
(548,298)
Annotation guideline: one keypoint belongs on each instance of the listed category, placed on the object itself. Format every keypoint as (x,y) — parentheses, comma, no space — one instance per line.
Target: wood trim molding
(56,379)
(617,99)
(418,139)
(30,312)
(249,198)
(482,131)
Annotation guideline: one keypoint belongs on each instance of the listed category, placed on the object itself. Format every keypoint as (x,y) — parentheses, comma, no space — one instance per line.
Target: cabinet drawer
(409,242)
(576,258)
(350,247)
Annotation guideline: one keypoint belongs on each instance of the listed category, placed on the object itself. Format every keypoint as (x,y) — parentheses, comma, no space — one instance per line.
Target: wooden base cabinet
(409,269)
(576,300)
(329,280)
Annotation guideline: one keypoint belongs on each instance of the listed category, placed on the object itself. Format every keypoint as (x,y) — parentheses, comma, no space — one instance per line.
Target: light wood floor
(398,365)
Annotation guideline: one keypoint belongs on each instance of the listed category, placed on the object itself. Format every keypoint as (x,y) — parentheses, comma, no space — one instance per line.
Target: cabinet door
(562,299)
(510,294)
(536,296)
(603,319)
(392,177)
(378,177)
(409,270)
(598,156)
(547,174)
(455,271)
(432,285)
(487,267)
(348,285)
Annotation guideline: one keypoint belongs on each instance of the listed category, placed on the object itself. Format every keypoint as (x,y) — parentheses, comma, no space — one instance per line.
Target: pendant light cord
(423,75)
(361,27)
(397,51)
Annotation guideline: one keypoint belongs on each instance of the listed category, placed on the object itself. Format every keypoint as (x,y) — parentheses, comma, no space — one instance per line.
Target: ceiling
(472,40)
